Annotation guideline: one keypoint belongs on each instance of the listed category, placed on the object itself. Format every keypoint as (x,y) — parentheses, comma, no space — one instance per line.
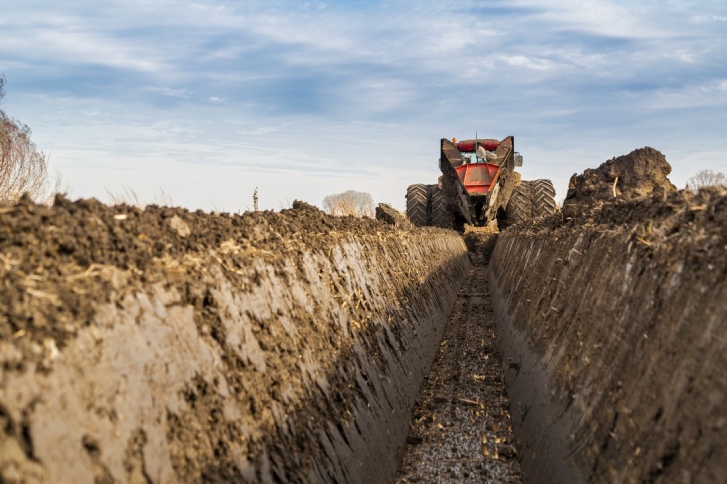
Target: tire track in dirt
(460,429)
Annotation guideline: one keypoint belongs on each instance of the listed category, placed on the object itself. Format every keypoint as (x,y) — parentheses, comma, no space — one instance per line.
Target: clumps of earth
(389,215)
(640,174)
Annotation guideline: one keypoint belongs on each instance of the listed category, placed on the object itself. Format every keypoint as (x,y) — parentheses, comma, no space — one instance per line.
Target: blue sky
(207,100)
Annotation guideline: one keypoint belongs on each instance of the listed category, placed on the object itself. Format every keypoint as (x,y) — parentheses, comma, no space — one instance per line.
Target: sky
(208,100)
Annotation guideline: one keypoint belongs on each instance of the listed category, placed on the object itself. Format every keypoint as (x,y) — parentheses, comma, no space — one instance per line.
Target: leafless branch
(23,167)
(351,202)
(706,178)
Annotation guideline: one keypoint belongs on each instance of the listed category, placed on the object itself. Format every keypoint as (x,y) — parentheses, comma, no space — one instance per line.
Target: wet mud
(171,346)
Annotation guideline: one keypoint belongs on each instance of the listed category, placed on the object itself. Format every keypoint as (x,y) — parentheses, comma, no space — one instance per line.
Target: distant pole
(254,200)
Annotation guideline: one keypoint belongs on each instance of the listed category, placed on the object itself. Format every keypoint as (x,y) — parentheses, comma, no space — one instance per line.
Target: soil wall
(613,328)
(169,346)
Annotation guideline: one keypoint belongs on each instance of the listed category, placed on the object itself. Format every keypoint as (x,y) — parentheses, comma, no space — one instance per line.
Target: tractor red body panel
(477,178)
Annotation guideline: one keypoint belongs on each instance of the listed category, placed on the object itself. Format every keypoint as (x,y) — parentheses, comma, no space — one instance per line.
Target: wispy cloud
(363,88)
(709,18)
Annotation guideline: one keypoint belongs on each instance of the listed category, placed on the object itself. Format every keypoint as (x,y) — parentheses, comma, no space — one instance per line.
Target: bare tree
(23,167)
(706,178)
(354,203)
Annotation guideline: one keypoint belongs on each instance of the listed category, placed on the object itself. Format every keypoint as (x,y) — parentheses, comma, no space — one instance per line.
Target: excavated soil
(460,428)
(636,175)
(74,241)
(389,215)
(613,316)
(163,345)
(639,174)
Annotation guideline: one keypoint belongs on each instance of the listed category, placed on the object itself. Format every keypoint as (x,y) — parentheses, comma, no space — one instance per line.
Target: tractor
(479,186)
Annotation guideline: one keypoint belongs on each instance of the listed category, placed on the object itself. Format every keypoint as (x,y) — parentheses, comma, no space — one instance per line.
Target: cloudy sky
(208,100)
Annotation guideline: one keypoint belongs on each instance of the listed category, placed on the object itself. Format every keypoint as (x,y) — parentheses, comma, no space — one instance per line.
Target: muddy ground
(613,315)
(163,345)
(461,429)
(171,346)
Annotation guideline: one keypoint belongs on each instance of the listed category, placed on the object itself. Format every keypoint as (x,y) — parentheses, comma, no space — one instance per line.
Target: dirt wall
(170,346)
(613,328)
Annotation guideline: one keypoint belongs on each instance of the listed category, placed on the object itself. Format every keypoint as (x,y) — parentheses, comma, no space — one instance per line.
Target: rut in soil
(460,429)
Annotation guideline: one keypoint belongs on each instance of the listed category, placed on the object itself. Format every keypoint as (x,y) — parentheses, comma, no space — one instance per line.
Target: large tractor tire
(417,204)
(543,197)
(441,215)
(520,206)
(530,200)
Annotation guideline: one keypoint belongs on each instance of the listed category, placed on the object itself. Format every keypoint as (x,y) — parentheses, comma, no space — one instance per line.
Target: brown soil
(45,246)
(460,428)
(613,314)
(168,345)
(639,174)
(389,215)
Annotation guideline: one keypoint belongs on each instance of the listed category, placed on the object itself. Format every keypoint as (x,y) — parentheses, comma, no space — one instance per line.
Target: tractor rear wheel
(530,200)
(543,197)
(520,206)
(417,204)
(441,216)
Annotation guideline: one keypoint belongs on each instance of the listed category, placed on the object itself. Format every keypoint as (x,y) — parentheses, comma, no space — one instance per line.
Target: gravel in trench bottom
(460,429)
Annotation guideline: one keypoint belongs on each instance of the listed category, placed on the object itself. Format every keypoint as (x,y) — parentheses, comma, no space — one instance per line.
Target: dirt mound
(639,174)
(668,214)
(45,242)
(480,240)
(163,345)
(389,215)
(614,322)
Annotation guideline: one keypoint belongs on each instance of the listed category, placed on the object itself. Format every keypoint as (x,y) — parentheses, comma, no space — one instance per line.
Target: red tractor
(479,185)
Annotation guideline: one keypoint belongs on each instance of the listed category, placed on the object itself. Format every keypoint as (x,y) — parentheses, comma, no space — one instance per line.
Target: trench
(460,429)
(616,324)
(600,344)
(169,346)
